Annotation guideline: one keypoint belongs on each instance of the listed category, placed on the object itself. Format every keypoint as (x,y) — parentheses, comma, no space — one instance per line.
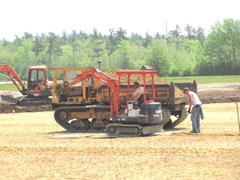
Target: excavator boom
(4,68)
(102,77)
(95,73)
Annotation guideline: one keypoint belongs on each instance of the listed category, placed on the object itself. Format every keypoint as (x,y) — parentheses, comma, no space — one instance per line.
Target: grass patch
(8,87)
(203,79)
(189,79)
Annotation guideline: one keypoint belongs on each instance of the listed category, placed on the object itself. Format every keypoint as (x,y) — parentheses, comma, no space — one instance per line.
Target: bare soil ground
(33,146)
(219,93)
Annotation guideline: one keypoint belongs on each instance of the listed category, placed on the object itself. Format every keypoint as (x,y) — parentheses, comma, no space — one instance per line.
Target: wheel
(81,125)
(106,121)
(99,125)
(85,125)
(111,130)
(62,116)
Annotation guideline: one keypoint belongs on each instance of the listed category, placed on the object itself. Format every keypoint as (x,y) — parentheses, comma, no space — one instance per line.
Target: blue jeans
(195,118)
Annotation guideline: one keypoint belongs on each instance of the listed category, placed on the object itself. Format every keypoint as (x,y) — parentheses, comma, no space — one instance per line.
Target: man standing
(195,108)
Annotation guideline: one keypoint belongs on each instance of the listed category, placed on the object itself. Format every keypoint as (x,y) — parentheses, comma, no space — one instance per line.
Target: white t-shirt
(196,100)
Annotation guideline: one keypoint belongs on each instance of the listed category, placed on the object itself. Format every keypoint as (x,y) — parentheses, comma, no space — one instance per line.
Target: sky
(134,16)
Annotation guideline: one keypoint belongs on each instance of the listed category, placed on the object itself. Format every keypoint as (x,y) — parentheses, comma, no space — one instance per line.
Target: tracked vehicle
(77,105)
(90,99)
(172,99)
(37,90)
(141,118)
(75,111)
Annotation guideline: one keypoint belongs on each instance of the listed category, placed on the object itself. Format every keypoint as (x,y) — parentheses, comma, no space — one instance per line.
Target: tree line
(180,52)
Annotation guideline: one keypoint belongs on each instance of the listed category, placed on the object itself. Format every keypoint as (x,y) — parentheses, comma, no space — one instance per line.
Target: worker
(195,108)
(40,87)
(137,95)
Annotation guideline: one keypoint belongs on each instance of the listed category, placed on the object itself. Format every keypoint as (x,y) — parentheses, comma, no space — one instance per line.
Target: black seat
(140,100)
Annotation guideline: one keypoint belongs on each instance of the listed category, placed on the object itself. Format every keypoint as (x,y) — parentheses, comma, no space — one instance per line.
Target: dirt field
(33,146)
(219,93)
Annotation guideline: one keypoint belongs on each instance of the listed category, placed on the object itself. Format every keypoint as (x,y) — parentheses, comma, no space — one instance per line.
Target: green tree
(190,32)
(222,47)
(27,35)
(113,40)
(38,46)
(200,36)
(72,40)
(24,57)
(159,36)
(6,57)
(185,60)
(158,57)
(175,38)
(121,34)
(111,45)
(147,40)
(121,55)
(64,37)
(97,45)
(175,33)
(135,37)
(54,47)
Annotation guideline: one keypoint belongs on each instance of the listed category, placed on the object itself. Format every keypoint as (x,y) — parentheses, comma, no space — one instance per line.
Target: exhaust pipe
(99,64)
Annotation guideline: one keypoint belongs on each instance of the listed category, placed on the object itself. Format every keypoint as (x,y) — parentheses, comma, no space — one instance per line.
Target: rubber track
(34,101)
(68,109)
(183,116)
(166,113)
(124,126)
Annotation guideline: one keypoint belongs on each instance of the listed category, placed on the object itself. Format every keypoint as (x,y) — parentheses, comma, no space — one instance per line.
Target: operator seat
(141,98)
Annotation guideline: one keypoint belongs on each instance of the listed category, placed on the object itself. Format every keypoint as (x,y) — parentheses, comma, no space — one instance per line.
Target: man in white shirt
(195,108)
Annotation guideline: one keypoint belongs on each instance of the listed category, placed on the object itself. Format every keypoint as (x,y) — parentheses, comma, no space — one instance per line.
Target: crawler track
(166,115)
(127,130)
(64,116)
(172,123)
(130,130)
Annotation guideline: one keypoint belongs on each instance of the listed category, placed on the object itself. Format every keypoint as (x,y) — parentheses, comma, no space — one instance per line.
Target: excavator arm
(94,73)
(4,68)
(80,77)
(102,77)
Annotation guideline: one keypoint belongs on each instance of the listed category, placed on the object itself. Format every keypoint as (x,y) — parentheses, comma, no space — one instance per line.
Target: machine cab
(38,84)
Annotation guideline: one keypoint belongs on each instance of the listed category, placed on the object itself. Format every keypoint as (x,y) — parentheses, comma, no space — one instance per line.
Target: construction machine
(81,105)
(38,88)
(138,118)
(95,98)
(77,105)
